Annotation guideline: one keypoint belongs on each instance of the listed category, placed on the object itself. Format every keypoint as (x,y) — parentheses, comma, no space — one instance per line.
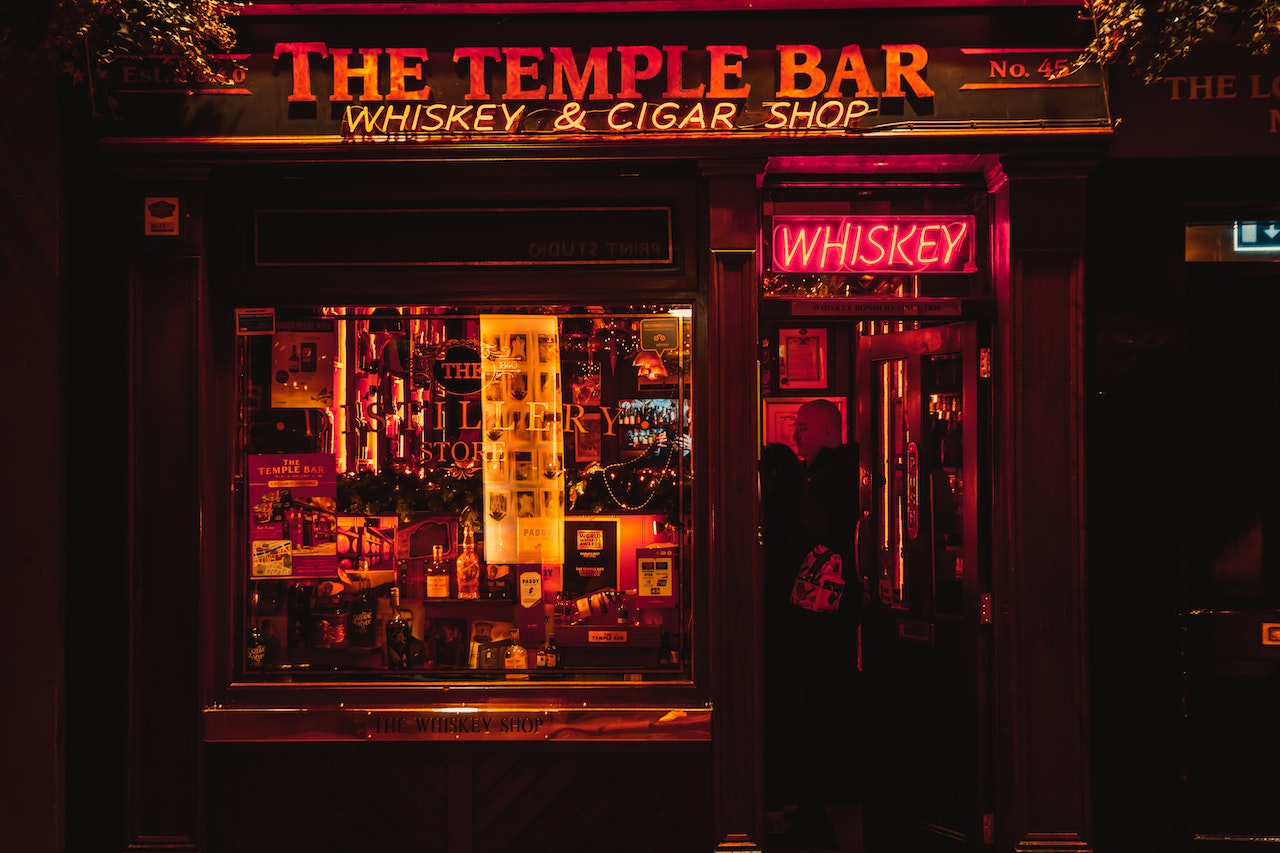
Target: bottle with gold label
(364,626)
(468,566)
(437,581)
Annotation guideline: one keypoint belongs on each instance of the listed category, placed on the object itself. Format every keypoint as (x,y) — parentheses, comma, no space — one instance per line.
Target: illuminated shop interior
(380,445)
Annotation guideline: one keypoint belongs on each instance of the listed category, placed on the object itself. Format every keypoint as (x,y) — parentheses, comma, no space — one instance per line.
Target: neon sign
(873,244)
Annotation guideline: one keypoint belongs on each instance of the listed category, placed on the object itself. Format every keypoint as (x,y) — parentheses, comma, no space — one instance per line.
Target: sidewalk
(819,829)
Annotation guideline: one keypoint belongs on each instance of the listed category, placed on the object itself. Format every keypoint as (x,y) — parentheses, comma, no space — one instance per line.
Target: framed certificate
(802,358)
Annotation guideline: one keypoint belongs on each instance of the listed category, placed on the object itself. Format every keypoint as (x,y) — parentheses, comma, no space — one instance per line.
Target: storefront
(453,343)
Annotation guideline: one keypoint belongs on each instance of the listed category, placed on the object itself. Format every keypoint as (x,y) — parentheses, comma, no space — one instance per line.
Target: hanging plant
(82,38)
(1146,35)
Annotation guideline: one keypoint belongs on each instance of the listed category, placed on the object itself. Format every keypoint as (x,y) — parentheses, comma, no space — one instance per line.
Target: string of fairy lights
(643,474)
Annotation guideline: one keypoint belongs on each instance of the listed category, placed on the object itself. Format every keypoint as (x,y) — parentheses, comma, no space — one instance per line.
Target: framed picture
(802,358)
(586,440)
(524,463)
(548,349)
(780,418)
(526,503)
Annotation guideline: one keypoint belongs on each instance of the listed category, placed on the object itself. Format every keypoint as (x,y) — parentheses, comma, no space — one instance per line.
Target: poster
(293,527)
(523,441)
(591,555)
(302,367)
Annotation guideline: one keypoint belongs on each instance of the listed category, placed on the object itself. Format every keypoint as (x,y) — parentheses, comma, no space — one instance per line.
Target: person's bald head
(818,424)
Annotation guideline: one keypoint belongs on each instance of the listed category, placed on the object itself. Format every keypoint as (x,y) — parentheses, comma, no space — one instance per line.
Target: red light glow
(873,244)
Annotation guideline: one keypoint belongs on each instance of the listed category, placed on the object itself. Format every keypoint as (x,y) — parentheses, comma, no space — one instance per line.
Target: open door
(922,414)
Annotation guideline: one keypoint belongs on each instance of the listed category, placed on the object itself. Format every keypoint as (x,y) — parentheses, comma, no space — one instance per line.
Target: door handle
(857,549)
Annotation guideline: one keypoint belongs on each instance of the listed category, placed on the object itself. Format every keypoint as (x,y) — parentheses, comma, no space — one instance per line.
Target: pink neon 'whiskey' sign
(873,244)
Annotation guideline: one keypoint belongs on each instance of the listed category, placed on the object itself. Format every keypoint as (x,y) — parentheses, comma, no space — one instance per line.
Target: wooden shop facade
(454,333)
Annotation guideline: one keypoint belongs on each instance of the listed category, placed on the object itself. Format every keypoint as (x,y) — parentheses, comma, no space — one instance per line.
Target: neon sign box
(873,244)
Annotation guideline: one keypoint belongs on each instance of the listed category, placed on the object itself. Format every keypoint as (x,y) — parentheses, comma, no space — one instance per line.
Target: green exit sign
(1257,236)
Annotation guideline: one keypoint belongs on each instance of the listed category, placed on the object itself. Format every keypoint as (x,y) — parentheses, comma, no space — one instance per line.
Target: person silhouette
(789,528)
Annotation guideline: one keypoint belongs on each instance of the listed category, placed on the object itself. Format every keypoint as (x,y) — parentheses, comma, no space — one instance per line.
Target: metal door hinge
(984,609)
(988,828)
(984,362)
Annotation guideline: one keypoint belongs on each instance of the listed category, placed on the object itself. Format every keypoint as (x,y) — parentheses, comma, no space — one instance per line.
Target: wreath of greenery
(389,492)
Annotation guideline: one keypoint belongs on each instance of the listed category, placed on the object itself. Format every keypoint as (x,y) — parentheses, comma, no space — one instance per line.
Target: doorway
(916,403)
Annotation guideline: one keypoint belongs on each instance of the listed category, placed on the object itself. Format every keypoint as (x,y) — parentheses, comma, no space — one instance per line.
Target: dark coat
(833,481)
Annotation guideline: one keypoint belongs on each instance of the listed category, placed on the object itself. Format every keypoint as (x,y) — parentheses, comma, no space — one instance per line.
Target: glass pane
(944,425)
(438,495)
(891,484)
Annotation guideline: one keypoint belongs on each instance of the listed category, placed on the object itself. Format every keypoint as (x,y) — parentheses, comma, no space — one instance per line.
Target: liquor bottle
(299,605)
(399,633)
(295,362)
(598,603)
(329,623)
(255,651)
(437,574)
(553,652)
(363,624)
(517,656)
(468,566)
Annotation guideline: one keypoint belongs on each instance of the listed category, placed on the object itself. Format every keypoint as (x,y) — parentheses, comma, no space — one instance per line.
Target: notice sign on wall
(160,216)
(656,575)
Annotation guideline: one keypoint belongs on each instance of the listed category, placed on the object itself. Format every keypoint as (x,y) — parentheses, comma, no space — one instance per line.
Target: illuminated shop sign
(510,89)
(426,84)
(872,244)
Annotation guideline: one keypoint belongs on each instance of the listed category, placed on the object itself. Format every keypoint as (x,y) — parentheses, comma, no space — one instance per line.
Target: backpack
(819,584)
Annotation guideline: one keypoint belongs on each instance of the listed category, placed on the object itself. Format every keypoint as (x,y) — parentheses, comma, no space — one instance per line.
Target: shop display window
(435,494)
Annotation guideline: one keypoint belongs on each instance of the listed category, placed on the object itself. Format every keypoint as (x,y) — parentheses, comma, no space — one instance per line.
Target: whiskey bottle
(255,647)
(468,566)
(399,634)
(517,657)
(295,362)
(363,625)
(437,574)
(553,652)
(600,603)
(299,605)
